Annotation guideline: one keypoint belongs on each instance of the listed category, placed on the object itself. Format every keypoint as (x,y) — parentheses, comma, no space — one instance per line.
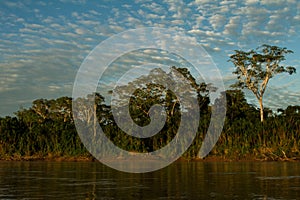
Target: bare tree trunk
(95,121)
(261,109)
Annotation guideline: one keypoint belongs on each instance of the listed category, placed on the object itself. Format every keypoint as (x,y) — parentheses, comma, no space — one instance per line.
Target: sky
(43,43)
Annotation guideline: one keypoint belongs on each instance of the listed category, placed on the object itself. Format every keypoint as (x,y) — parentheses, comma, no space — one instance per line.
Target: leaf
(291,70)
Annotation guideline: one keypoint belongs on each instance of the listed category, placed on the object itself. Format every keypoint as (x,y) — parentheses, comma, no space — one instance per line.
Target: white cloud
(79,31)
(152,16)
(14,4)
(76,2)
(201,2)
(273,2)
(199,21)
(217,21)
(177,22)
(250,2)
(154,7)
(233,26)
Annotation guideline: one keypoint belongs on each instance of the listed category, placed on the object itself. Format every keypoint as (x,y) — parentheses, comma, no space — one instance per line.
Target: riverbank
(210,158)
(55,158)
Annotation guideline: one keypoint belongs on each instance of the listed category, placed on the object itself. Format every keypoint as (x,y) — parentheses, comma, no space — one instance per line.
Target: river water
(180,180)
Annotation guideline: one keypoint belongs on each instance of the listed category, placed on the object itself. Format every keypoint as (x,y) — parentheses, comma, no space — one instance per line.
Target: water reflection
(181,180)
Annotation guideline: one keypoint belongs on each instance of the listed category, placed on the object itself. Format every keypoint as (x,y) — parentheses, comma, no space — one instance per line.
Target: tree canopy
(47,128)
(255,68)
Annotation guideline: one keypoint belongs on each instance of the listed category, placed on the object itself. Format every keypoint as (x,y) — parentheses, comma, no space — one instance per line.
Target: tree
(158,88)
(202,89)
(255,68)
(237,106)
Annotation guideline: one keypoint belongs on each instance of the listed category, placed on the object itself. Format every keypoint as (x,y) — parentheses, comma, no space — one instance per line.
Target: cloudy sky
(42,44)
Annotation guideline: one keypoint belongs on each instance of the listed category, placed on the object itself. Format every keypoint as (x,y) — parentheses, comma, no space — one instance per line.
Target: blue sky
(42,44)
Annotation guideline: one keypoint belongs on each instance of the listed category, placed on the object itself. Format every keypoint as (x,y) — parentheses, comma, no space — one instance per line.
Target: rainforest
(46,130)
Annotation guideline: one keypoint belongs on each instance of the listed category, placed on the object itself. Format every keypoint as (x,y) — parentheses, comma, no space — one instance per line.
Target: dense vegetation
(47,129)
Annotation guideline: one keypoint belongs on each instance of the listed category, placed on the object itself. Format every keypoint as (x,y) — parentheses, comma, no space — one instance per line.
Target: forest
(47,129)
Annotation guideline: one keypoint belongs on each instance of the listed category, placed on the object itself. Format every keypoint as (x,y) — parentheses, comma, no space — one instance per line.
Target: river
(180,180)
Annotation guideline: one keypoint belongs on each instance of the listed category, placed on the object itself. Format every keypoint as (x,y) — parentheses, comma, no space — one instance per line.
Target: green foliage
(47,127)
(255,68)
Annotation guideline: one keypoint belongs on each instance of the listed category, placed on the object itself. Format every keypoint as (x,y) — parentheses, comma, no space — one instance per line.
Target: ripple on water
(277,177)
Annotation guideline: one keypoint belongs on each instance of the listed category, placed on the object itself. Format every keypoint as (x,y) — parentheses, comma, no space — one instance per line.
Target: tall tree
(255,68)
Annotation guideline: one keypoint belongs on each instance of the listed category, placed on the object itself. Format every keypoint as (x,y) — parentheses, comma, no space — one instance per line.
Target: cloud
(233,27)
(14,4)
(217,21)
(250,2)
(44,43)
(153,7)
(75,2)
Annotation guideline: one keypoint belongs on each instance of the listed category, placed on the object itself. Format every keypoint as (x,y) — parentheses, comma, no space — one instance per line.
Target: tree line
(47,129)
